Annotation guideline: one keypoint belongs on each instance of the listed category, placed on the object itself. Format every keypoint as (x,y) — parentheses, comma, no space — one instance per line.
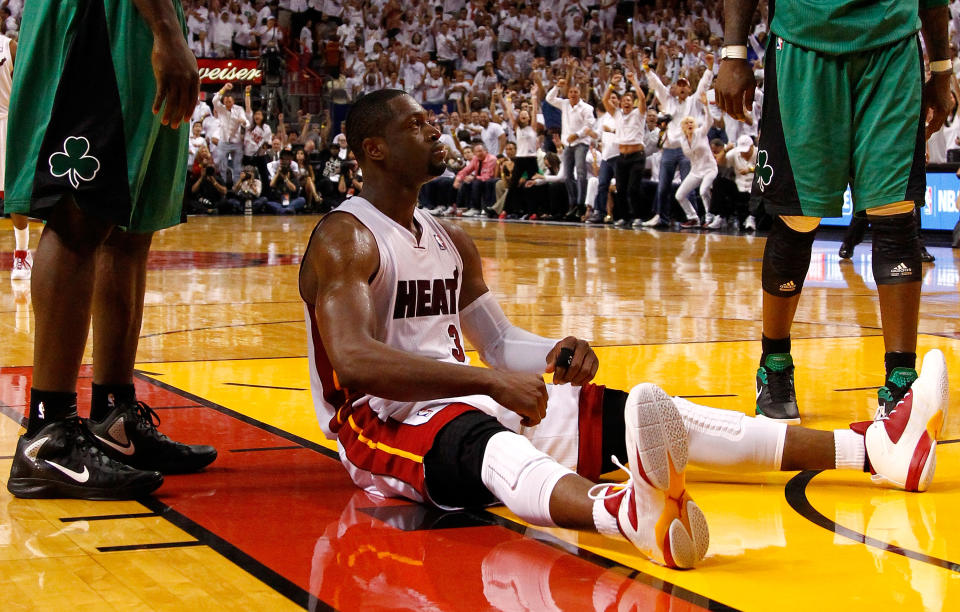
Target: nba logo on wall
(928,199)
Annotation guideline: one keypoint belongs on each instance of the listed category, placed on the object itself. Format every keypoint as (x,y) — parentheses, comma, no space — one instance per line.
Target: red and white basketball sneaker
(653,509)
(22,264)
(902,446)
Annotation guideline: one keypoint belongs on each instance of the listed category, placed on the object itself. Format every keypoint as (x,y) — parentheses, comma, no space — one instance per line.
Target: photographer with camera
(350,180)
(206,187)
(246,190)
(285,188)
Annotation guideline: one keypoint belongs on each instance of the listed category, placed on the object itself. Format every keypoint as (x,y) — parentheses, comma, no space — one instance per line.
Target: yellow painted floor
(681,310)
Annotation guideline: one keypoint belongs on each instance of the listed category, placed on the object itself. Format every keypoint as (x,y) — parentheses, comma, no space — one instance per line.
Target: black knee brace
(786,259)
(896,249)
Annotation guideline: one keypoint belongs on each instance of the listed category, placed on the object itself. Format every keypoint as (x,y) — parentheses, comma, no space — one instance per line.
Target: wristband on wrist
(733,52)
(941,65)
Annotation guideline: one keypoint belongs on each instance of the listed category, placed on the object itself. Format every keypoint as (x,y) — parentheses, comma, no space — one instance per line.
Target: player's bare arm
(583,365)
(337,270)
(735,83)
(937,101)
(174,65)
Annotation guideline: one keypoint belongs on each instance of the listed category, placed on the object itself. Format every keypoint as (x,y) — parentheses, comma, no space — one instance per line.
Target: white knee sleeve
(727,440)
(521,477)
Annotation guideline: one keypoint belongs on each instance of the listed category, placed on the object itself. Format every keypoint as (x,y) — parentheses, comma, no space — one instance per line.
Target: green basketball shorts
(833,120)
(81,121)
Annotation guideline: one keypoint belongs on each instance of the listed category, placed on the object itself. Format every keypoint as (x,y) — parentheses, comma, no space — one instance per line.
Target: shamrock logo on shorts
(764,171)
(73,162)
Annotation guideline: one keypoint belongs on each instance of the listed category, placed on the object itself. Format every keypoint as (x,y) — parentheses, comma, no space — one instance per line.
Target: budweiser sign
(229,71)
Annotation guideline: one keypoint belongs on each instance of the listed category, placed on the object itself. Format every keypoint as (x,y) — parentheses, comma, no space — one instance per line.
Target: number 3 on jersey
(457,350)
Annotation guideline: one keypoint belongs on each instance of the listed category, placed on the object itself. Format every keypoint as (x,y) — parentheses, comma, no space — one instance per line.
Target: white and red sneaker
(902,445)
(653,509)
(22,264)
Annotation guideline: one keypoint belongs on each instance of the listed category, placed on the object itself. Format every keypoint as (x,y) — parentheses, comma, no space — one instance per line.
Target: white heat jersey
(416,294)
(6,84)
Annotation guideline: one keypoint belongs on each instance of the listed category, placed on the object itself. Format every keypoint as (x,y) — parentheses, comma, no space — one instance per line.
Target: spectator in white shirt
(201,111)
(703,169)
(548,36)
(196,141)
(211,131)
(630,120)
(679,106)
(232,121)
(492,135)
(576,129)
(483,44)
(434,89)
(221,35)
(271,35)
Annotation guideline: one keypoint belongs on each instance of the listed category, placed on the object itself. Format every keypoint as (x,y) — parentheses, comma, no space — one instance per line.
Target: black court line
(154,546)
(177,407)
(232,384)
(182,331)
(241,559)
(948,441)
(241,417)
(301,597)
(703,396)
(874,388)
(796,494)
(14,413)
(264,448)
(7,457)
(107,517)
(150,373)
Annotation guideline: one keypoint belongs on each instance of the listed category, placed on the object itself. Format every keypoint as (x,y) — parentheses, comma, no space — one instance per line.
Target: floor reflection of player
(363,563)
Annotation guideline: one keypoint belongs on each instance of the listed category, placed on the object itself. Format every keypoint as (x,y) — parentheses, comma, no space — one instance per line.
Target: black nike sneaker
(889,395)
(776,395)
(129,434)
(62,460)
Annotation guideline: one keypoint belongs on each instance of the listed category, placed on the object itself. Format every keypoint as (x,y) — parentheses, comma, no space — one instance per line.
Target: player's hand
(583,364)
(937,101)
(735,86)
(524,394)
(178,82)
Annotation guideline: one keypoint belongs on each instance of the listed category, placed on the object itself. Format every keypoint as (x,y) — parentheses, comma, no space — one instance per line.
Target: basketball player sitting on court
(390,295)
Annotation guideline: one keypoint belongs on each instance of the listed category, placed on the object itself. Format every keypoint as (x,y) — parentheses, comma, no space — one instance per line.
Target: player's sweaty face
(413,142)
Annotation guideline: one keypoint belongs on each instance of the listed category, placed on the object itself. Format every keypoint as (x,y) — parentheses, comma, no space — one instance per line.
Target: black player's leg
(127,429)
(62,288)
(897,271)
(854,235)
(55,458)
(118,305)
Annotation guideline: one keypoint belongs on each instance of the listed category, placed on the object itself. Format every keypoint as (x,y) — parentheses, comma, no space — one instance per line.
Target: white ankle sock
(22,237)
(605,522)
(850,450)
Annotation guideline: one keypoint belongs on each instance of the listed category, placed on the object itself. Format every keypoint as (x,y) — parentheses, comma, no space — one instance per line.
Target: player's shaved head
(369,118)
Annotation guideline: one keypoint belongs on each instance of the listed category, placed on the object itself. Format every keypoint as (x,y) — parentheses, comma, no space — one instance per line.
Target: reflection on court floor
(275,523)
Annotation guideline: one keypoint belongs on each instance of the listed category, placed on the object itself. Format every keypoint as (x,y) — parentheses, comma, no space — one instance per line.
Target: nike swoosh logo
(126,450)
(81,477)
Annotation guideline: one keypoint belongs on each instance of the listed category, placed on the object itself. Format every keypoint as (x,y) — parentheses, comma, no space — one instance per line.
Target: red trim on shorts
(589,459)
(392,448)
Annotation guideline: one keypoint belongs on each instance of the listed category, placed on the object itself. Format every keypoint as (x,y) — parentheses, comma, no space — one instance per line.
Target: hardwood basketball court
(275,523)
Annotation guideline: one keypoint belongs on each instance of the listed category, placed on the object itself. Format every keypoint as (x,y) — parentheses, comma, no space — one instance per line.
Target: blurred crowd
(583,110)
